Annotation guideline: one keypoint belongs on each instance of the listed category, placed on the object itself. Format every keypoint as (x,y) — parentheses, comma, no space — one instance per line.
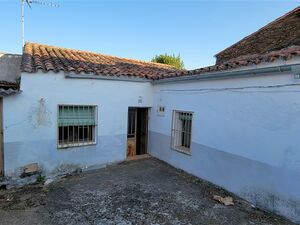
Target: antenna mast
(28,3)
(22,23)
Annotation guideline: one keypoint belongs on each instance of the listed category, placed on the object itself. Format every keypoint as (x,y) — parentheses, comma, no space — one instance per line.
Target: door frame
(1,139)
(131,140)
(136,129)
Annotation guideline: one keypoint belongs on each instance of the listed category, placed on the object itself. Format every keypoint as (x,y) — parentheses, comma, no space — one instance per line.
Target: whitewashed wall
(30,129)
(245,140)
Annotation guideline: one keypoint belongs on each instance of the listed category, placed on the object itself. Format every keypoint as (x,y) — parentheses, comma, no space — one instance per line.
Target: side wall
(243,139)
(30,120)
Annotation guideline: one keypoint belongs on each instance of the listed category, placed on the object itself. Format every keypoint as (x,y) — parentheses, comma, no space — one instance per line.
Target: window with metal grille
(182,131)
(76,125)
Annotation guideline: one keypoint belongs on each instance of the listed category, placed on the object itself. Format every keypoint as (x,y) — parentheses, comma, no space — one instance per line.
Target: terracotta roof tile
(281,33)
(242,61)
(49,58)
(6,85)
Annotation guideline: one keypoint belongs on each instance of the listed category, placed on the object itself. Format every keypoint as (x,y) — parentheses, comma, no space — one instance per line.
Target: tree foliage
(172,60)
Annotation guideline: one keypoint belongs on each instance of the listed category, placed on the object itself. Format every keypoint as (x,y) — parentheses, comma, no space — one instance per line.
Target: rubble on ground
(224,200)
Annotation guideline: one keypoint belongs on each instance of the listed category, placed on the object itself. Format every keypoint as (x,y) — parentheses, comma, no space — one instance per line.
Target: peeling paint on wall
(40,115)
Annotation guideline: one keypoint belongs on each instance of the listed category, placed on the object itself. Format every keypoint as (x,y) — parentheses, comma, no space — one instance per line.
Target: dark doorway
(142,128)
(137,131)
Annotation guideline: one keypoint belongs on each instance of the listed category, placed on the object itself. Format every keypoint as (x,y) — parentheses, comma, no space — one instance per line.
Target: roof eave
(6,92)
(232,74)
(107,77)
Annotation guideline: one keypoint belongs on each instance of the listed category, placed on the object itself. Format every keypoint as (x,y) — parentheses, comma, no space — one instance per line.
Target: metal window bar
(88,128)
(173,130)
(63,128)
(82,127)
(73,131)
(181,130)
(177,130)
(68,127)
(77,116)
(77,125)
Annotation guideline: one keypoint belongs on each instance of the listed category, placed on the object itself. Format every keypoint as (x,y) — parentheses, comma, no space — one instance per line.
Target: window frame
(187,151)
(74,145)
(134,112)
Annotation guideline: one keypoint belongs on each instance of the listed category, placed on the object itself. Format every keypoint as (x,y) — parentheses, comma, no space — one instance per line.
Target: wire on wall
(246,89)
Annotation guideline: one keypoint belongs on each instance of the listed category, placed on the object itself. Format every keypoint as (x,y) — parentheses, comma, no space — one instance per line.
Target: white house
(235,124)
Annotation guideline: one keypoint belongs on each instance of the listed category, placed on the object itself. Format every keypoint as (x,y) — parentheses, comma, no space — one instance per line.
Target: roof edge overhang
(107,77)
(253,72)
(238,73)
(4,92)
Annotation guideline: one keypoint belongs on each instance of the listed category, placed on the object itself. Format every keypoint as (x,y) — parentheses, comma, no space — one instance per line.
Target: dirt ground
(146,191)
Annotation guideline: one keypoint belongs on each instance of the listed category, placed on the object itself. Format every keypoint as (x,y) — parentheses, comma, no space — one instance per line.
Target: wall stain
(275,203)
(40,115)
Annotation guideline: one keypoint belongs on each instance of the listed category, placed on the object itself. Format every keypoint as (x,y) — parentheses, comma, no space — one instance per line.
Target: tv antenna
(29,2)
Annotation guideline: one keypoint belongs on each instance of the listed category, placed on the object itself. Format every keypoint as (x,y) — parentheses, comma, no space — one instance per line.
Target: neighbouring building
(235,124)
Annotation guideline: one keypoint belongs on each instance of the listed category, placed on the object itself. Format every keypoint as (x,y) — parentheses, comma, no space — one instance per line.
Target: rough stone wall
(10,67)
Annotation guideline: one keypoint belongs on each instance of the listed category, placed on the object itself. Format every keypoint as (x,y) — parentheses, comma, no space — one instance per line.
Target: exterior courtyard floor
(145,191)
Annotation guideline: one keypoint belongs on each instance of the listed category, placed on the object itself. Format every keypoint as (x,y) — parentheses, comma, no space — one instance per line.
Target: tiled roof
(278,40)
(8,85)
(110,66)
(49,58)
(279,34)
(242,61)
(8,88)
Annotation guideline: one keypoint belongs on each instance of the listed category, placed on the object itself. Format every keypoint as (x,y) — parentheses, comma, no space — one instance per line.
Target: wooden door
(1,139)
(142,131)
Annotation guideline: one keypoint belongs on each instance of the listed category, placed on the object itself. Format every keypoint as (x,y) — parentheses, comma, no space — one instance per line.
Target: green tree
(171,60)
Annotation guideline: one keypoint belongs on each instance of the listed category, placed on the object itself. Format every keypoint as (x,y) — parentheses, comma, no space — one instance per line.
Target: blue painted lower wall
(107,150)
(268,187)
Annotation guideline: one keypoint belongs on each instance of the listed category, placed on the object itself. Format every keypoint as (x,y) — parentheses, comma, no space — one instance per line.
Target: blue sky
(196,30)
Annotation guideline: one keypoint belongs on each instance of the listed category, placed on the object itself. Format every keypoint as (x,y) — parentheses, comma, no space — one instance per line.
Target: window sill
(182,150)
(65,146)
